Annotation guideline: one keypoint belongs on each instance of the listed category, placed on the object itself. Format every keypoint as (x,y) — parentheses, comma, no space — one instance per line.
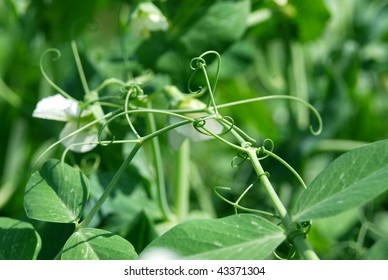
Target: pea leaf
(18,240)
(56,193)
(97,244)
(350,181)
(240,236)
(222,24)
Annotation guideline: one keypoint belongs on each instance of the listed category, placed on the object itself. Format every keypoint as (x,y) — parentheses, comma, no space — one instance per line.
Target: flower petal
(56,108)
(147,18)
(86,136)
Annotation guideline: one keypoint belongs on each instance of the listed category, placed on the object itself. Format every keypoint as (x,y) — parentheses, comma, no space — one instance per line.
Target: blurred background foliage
(333,54)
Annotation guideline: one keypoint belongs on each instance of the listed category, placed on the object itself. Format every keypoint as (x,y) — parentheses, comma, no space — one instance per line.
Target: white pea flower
(147,18)
(59,108)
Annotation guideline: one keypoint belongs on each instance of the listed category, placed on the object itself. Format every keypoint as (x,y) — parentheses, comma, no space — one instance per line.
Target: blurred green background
(333,54)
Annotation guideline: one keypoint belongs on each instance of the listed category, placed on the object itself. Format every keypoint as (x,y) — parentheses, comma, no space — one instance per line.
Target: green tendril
(134,91)
(237,206)
(101,135)
(108,82)
(199,64)
(120,113)
(80,68)
(229,122)
(90,163)
(235,129)
(56,87)
(217,74)
(239,159)
(195,93)
(271,97)
(289,167)
(234,146)
(291,253)
(199,125)
(107,116)
(266,173)
(261,149)
(196,64)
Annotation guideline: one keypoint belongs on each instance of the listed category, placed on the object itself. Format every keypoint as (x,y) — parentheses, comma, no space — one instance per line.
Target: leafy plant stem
(160,183)
(298,240)
(110,187)
(182,181)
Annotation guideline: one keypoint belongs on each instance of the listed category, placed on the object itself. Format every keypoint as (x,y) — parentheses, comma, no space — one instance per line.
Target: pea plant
(153,206)
(60,193)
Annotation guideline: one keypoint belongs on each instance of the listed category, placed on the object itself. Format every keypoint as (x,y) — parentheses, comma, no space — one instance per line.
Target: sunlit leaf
(350,181)
(235,237)
(56,193)
(97,244)
(18,240)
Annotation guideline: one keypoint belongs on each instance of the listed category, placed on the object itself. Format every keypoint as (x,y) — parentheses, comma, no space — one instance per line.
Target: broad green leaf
(56,193)
(240,236)
(222,24)
(18,240)
(97,244)
(378,251)
(351,180)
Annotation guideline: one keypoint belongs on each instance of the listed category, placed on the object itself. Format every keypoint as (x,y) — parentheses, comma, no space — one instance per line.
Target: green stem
(111,185)
(301,245)
(182,179)
(160,183)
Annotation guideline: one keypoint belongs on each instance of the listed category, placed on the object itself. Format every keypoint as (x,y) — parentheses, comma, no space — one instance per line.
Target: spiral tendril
(90,163)
(228,121)
(199,125)
(263,149)
(291,253)
(199,63)
(239,159)
(47,78)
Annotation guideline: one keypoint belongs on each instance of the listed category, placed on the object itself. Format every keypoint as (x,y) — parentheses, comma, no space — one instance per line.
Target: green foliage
(151,177)
(97,244)
(350,181)
(240,237)
(18,240)
(56,193)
